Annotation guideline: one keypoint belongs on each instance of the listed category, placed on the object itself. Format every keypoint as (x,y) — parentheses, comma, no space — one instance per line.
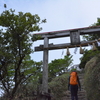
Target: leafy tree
(29,88)
(88,54)
(59,66)
(93,36)
(15,42)
(29,85)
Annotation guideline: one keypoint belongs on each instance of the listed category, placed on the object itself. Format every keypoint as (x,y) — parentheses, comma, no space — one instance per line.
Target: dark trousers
(74,90)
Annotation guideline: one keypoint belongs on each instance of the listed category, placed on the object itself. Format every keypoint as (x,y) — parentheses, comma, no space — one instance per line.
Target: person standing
(73,85)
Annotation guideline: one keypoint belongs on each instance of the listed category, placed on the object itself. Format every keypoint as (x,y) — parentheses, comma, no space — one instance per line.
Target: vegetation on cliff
(92,78)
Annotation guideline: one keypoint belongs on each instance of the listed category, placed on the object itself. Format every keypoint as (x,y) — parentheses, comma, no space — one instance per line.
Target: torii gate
(74,35)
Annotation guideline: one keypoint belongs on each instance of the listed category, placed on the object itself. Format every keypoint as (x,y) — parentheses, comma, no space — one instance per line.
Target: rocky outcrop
(92,78)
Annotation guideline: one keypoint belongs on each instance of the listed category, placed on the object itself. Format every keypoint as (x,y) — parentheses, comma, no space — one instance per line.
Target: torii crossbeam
(74,35)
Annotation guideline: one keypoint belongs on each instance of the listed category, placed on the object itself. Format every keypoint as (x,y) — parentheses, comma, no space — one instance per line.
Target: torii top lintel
(66,33)
(74,35)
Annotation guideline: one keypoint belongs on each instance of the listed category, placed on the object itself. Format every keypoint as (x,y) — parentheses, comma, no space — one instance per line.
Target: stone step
(81,94)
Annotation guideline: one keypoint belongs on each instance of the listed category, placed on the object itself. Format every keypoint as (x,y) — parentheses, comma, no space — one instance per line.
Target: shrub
(59,85)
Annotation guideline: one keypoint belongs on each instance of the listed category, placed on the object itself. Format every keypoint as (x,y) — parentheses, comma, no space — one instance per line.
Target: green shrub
(87,56)
(59,85)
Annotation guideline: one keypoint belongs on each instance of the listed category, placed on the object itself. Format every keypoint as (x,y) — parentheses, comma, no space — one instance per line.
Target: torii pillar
(45,70)
(75,40)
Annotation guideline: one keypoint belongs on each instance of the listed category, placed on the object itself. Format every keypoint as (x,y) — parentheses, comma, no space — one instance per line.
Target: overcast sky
(60,15)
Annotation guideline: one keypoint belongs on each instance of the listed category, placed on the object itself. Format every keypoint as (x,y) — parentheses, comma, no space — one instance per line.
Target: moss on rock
(92,78)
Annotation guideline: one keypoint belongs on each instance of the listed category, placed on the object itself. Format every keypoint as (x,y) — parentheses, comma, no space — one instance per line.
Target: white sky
(60,15)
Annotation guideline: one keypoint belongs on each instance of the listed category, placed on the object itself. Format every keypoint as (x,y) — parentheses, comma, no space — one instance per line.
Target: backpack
(73,78)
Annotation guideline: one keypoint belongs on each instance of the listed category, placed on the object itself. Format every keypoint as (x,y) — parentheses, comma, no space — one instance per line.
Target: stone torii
(74,35)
